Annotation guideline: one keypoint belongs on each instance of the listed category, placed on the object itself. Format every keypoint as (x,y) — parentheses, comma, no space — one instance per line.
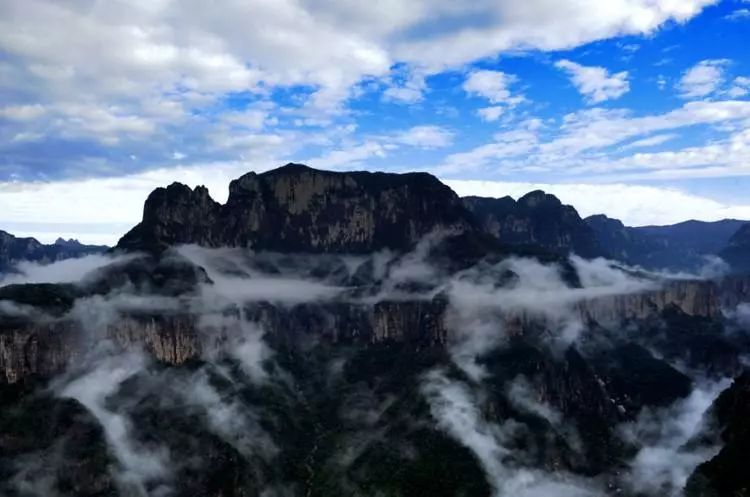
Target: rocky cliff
(33,348)
(299,209)
(537,219)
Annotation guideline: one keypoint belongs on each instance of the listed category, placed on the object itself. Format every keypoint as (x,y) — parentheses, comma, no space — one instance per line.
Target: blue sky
(636,108)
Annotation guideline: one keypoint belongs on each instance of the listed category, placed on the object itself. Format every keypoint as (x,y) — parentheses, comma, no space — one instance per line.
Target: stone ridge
(296,208)
(536,218)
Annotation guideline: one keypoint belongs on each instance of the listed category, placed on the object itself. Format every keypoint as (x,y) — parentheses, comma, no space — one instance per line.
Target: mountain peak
(537,218)
(299,208)
(537,197)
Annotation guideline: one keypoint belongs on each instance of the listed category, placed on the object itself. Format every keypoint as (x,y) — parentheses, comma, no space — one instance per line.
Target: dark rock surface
(726,475)
(737,251)
(537,219)
(678,247)
(299,209)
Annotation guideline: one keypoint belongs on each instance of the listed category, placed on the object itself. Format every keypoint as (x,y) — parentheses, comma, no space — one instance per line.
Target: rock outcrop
(537,219)
(299,209)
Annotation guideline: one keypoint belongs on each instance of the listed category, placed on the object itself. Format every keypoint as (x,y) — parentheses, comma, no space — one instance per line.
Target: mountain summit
(298,208)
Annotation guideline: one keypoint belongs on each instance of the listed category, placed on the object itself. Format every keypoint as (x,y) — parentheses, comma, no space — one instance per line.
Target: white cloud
(101,210)
(651,141)
(65,271)
(579,146)
(702,79)
(491,114)
(492,85)
(22,112)
(98,210)
(635,205)
(596,83)
(161,47)
(410,90)
(740,87)
(738,15)
(172,70)
(536,24)
(426,137)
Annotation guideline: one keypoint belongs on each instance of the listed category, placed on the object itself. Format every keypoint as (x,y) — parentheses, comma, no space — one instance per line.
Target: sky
(639,109)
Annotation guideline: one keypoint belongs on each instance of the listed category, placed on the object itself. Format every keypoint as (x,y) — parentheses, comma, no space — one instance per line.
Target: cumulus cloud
(740,87)
(168,64)
(703,79)
(426,137)
(596,83)
(491,114)
(492,85)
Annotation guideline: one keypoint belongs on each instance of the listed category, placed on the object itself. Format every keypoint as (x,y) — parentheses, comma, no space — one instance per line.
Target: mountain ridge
(15,249)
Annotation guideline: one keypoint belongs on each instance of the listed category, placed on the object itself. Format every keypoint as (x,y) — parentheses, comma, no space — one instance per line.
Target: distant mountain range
(14,250)
(297,208)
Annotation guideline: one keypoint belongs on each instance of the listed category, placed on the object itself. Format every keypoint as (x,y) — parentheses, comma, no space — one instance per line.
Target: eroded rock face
(536,218)
(45,349)
(692,297)
(299,209)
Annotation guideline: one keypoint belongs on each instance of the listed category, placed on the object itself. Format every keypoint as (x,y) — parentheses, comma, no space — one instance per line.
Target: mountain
(537,218)
(679,247)
(14,250)
(297,208)
(737,250)
(700,237)
(348,333)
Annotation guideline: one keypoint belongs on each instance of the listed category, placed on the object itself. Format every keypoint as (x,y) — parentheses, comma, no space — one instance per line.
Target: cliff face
(297,208)
(14,250)
(535,219)
(692,297)
(30,349)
